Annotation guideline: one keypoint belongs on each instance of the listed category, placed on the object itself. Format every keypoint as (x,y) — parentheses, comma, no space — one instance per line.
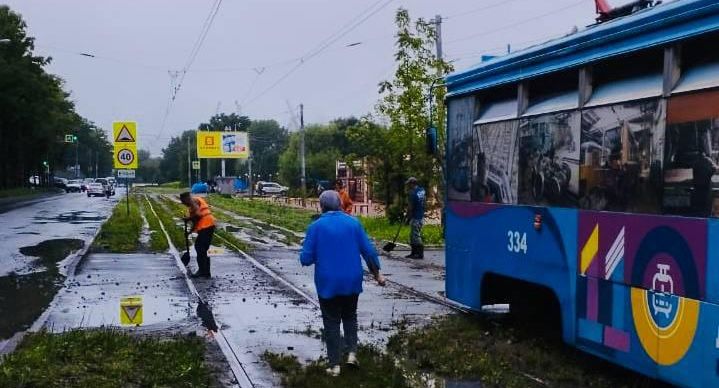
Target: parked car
(95,189)
(85,183)
(60,183)
(106,184)
(73,186)
(273,188)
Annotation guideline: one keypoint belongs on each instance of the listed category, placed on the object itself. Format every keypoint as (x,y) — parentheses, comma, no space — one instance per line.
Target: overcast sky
(251,45)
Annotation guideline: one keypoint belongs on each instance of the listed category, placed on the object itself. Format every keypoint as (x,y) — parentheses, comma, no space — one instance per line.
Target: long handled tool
(389,247)
(186,256)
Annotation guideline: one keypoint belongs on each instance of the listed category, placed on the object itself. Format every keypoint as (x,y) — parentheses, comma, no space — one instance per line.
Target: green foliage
(380,228)
(105,358)
(500,354)
(267,141)
(284,216)
(324,145)
(148,169)
(121,233)
(171,214)
(36,113)
(398,151)
(377,370)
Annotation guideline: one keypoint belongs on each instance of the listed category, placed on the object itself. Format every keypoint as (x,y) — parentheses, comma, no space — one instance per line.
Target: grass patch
(171,185)
(229,237)
(105,358)
(296,219)
(284,216)
(121,232)
(474,348)
(158,242)
(377,370)
(167,217)
(381,229)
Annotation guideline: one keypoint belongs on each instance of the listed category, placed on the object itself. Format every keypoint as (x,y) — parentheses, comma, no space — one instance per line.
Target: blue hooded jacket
(335,244)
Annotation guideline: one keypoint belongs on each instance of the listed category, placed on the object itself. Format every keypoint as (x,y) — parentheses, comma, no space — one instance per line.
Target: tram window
(621,157)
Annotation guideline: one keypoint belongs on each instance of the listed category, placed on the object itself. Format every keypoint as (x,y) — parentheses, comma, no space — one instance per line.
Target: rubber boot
(420,252)
(413,253)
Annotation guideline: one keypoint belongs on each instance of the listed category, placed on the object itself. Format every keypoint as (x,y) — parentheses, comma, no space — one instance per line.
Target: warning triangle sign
(131,311)
(124,136)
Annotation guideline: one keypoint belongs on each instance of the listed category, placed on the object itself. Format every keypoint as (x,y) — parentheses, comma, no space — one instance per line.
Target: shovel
(389,247)
(186,256)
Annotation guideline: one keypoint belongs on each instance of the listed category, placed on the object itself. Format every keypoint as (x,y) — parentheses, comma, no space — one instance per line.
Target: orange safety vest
(206,219)
(345,201)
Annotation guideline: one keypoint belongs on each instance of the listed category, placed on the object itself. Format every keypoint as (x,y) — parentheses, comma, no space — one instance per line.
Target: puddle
(75,217)
(51,252)
(24,297)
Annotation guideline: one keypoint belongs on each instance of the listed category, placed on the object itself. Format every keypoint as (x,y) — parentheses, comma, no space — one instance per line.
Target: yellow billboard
(222,145)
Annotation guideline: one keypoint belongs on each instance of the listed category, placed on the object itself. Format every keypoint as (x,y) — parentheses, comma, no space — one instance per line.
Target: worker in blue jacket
(335,243)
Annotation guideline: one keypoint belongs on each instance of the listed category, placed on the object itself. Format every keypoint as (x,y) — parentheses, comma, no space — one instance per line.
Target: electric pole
(302,152)
(189,165)
(438,35)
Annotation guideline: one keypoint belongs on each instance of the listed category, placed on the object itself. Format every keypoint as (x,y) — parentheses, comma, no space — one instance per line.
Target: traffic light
(45,163)
(74,139)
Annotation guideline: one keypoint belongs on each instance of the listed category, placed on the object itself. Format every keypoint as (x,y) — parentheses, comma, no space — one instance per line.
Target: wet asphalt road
(36,239)
(65,216)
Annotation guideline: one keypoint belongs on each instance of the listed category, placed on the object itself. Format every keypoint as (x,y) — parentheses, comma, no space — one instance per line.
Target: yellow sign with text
(222,145)
(124,135)
(131,310)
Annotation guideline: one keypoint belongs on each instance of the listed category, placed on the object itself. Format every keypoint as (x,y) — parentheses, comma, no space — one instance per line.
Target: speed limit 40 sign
(125,141)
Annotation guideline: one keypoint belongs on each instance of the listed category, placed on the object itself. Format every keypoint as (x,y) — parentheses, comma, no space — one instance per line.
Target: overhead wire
(508,26)
(348,27)
(207,24)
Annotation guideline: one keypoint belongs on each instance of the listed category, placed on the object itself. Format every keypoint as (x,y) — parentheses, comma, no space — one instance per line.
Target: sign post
(125,153)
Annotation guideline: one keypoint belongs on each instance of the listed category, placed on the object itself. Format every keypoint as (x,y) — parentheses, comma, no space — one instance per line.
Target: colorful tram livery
(588,168)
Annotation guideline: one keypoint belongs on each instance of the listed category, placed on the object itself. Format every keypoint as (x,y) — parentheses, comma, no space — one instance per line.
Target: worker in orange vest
(203,223)
(346,202)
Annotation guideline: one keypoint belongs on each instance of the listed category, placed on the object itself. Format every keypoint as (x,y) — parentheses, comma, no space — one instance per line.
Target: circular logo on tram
(666,307)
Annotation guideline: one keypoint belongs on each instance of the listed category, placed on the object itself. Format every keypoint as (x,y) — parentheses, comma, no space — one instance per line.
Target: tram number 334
(516,242)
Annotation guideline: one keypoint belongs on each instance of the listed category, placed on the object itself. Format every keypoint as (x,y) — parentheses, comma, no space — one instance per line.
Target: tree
(36,113)
(267,141)
(405,104)
(324,146)
(148,169)
(174,165)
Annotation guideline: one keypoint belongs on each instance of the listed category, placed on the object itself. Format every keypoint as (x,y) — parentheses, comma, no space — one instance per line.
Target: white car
(108,186)
(95,189)
(73,186)
(273,188)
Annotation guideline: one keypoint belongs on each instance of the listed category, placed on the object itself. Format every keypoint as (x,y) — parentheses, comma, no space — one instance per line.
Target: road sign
(131,310)
(126,174)
(195,164)
(124,134)
(126,158)
(69,138)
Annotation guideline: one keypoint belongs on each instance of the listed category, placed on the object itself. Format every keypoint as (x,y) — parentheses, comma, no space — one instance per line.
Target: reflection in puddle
(24,297)
(75,217)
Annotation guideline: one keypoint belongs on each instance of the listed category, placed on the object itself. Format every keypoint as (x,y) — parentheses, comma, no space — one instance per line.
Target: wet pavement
(37,241)
(92,297)
(73,216)
(258,312)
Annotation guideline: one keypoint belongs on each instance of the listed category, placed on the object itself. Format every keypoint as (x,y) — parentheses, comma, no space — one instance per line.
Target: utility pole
(302,152)
(77,158)
(438,35)
(249,172)
(189,165)
(97,160)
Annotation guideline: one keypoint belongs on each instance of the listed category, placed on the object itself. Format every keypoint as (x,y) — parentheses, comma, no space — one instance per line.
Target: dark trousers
(340,309)
(202,245)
